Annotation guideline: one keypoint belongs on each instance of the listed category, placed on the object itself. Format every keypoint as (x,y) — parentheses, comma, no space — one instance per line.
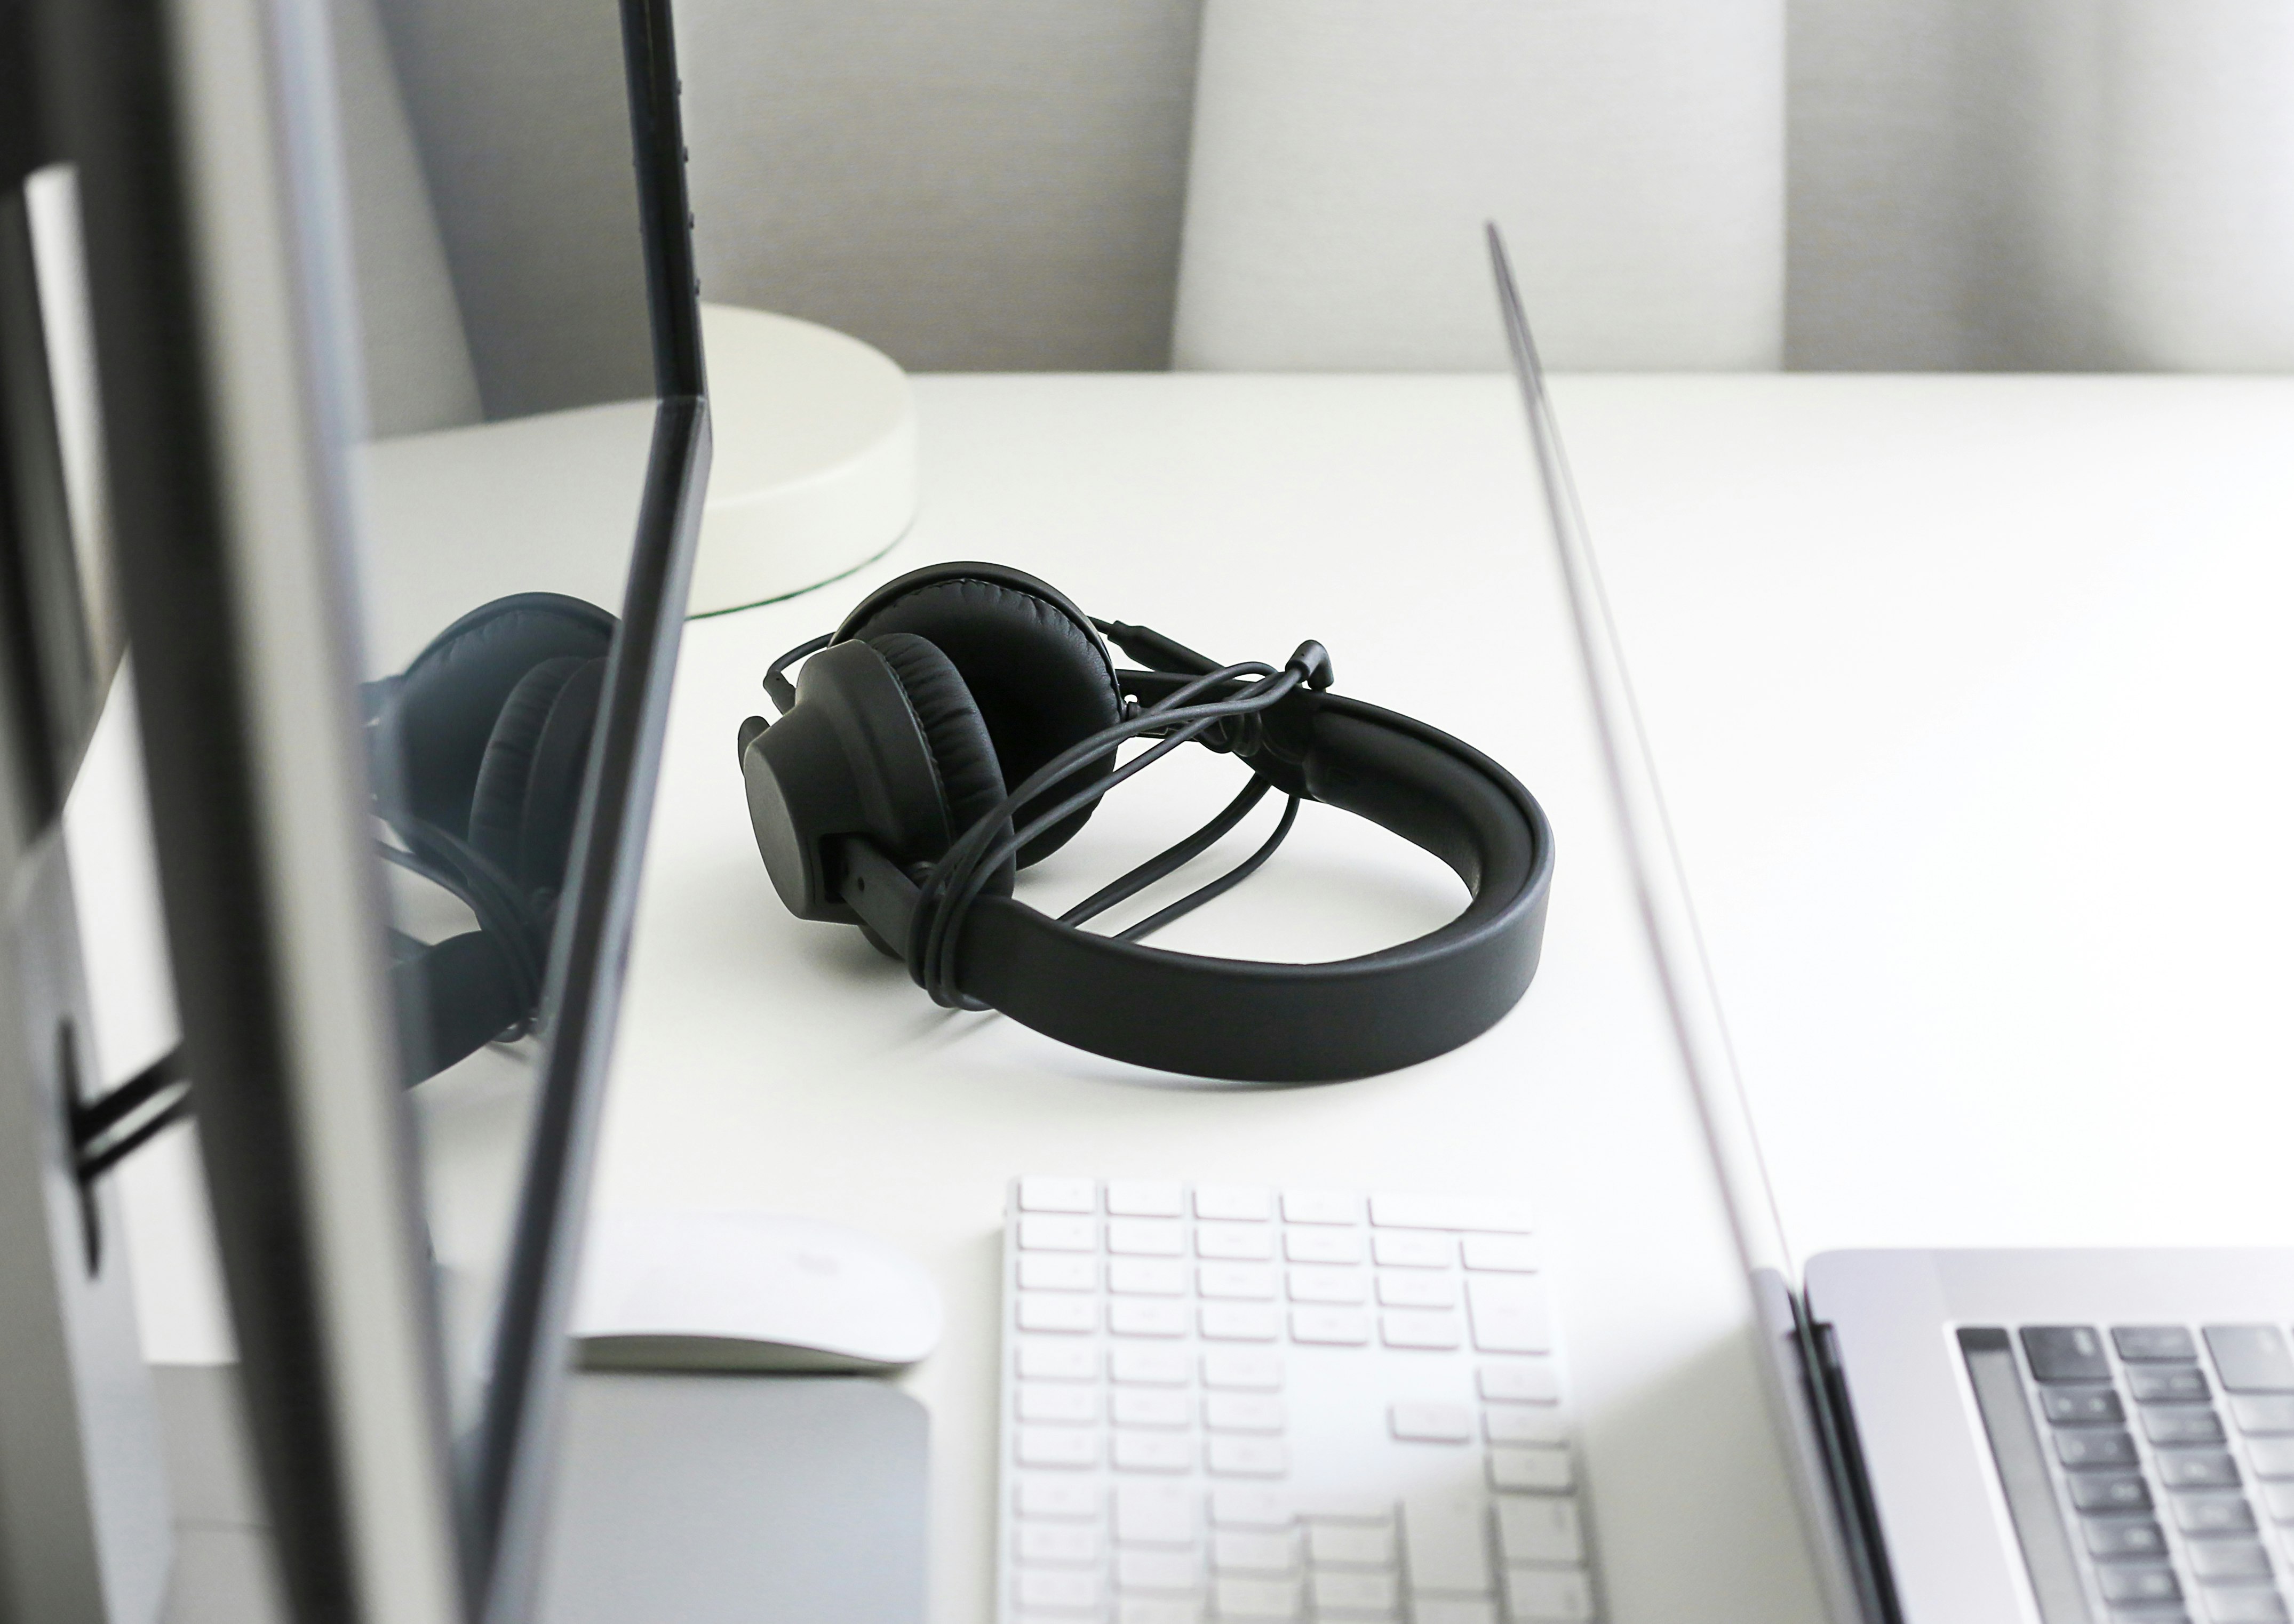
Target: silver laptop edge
(1817,1443)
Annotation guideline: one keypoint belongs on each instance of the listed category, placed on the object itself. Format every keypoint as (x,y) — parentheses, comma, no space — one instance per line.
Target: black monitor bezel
(117,109)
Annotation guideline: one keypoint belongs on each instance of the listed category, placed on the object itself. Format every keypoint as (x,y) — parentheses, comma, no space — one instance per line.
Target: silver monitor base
(702,1499)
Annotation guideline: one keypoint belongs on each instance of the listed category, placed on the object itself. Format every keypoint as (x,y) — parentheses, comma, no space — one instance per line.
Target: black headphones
(963,722)
(478,751)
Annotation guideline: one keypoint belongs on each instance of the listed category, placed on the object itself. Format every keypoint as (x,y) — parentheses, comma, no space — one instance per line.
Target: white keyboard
(1229,1404)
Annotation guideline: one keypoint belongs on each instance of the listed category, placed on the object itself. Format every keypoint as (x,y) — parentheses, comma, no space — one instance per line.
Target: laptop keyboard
(2170,1452)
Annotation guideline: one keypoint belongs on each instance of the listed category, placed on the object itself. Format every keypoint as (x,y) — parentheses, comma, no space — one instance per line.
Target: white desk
(772,1064)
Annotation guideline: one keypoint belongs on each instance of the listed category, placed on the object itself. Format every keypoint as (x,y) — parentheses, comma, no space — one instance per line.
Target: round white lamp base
(814,469)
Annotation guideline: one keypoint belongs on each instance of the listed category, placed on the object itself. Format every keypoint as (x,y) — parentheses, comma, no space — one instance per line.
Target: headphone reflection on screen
(477,753)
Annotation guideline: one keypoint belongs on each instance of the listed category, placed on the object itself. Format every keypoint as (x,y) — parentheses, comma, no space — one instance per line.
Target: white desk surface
(1968,694)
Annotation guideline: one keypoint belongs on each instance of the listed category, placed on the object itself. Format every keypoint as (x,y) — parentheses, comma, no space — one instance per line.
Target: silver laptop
(1978,1437)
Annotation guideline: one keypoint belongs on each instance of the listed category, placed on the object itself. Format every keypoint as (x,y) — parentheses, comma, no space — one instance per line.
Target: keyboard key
(2278,1502)
(1331,1285)
(1351,1545)
(1058,1271)
(2251,1358)
(1240,1322)
(1399,1289)
(1428,1609)
(1450,1213)
(2110,1491)
(1246,1282)
(2088,1448)
(2243,1606)
(2229,1559)
(1146,1317)
(1149,1367)
(1058,1445)
(1041,1194)
(2139,1583)
(1256,1598)
(2173,1384)
(2172,1424)
(1244,1368)
(1046,1234)
(1038,1402)
(1244,1506)
(1543,1596)
(1233,1243)
(1157,1610)
(1407,1329)
(1158,1570)
(2082,1406)
(1322,1245)
(1332,1326)
(2065,1353)
(1523,1423)
(1235,1551)
(1445,1539)
(1509,1315)
(2141,1342)
(2272,1457)
(2212,1513)
(1048,1589)
(1154,1514)
(1146,1277)
(1431,1422)
(2197,1469)
(1060,1361)
(1064,1498)
(1538,1470)
(1243,1412)
(1522,1383)
(1344,1506)
(1407,1250)
(1320,1206)
(1149,1407)
(1067,1314)
(2117,1539)
(1145,1198)
(1145,1237)
(1539,1528)
(1136,1452)
(1056,1544)
(1508,1254)
(1242,1203)
(1356,1593)
(2268,1415)
(1228,1456)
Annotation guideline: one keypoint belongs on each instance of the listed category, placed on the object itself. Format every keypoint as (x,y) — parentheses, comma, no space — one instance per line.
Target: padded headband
(1256,1021)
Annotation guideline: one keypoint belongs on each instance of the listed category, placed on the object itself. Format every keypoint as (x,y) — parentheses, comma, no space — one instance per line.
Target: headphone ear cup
(529,786)
(962,755)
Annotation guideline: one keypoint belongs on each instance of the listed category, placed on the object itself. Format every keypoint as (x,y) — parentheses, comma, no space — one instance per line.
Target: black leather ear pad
(529,785)
(970,781)
(1032,663)
(431,735)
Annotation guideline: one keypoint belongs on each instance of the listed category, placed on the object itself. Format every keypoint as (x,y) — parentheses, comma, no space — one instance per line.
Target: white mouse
(749,1291)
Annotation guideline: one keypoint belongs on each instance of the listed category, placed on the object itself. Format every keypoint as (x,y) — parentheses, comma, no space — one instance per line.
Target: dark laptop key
(2197,1469)
(2213,1513)
(2248,1606)
(2065,1353)
(2140,1342)
(2092,1449)
(2172,1424)
(2110,1491)
(2122,1538)
(2082,1406)
(2131,1584)
(2177,1385)
(2263,1414)
(2229,1559)
(2251,1358)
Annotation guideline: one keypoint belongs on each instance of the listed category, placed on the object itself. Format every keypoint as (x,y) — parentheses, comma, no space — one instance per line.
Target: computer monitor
(399,352)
